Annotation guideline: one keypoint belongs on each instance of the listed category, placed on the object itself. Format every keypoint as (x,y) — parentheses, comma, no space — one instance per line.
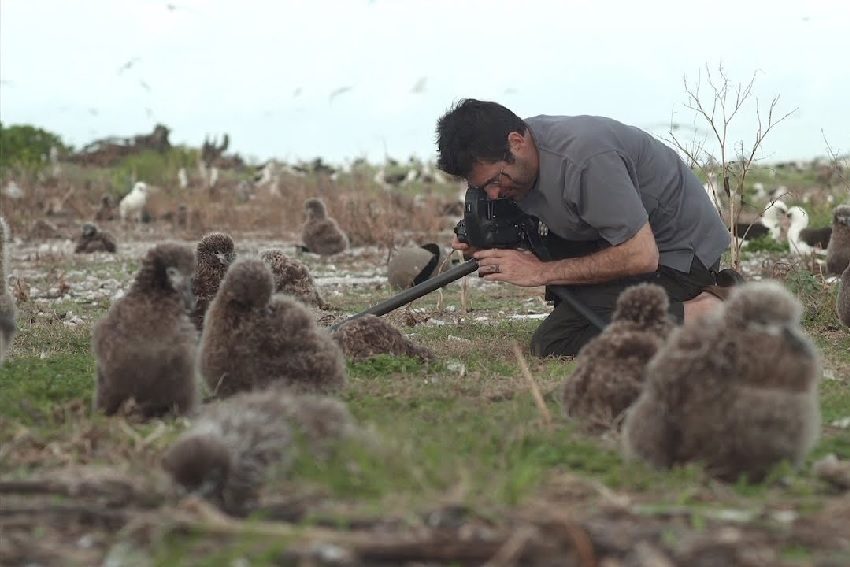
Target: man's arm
(637,255)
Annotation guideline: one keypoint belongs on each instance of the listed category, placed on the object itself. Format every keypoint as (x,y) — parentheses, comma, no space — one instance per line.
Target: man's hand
(519,267)
(464,248)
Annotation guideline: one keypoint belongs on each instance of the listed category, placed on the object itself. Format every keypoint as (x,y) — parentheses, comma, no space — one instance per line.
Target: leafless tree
(718,105)
(838,163)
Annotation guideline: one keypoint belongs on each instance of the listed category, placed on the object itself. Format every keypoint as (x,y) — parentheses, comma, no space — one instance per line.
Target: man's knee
(547,342)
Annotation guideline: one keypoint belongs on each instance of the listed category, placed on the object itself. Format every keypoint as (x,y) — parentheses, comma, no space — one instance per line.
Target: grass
(464,430)
(468,428)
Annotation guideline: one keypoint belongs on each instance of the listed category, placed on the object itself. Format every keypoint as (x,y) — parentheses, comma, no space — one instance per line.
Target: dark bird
(843,303)
(93,239)
(215,253)
(737,392)
(8,326)
(413,265)
(609,372)
(106,212)
(145,345)
(368,336)
(291,277)
(252,339)
(236,444)
(751,231)
(816,237)
(838,249)
(321,234)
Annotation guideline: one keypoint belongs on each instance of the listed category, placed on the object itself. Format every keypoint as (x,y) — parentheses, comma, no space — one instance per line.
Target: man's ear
(516,140)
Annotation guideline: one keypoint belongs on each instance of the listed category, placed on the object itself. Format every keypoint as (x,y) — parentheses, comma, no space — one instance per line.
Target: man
(621,208)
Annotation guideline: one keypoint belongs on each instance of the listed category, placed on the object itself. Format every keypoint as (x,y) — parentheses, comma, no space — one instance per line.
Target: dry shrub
(369,214)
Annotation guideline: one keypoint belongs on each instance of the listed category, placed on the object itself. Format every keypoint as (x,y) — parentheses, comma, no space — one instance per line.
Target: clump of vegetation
(156,168)
(27,148)
(766,244)
(817,297)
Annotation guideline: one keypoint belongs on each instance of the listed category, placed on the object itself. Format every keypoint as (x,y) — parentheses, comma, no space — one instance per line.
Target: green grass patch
(30,387)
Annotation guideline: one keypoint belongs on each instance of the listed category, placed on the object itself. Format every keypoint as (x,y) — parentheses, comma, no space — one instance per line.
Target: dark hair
(474,130)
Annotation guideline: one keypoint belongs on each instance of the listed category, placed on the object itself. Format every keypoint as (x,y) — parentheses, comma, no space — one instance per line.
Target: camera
(492,223)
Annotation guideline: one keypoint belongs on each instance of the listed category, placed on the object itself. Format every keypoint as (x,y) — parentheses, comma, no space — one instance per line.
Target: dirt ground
(80,489)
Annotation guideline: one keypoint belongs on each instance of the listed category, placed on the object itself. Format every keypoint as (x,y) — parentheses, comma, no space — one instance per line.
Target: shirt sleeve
(608,199)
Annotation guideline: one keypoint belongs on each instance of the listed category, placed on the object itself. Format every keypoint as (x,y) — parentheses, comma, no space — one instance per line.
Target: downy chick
(320,233)
(215,253)
(838,249)
(145,345)
(292,277)
(367,336)
(609,371)
(738,392)
(93,239)
(252,340)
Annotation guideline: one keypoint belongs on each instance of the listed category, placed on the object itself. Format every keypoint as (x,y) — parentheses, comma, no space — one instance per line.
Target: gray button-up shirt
(601,179)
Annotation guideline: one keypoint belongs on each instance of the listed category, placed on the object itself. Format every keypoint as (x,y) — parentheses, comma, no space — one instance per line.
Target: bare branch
(725,106)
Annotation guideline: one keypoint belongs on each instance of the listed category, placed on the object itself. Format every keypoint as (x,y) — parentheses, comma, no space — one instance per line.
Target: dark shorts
(565,331)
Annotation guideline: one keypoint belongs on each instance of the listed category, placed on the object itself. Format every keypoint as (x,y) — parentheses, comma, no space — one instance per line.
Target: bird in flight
(128,65)
(336,92)
(419,86)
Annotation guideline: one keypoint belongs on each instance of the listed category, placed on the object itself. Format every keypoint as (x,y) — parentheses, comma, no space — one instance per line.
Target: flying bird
(338,91)
(128,65)
(419,86)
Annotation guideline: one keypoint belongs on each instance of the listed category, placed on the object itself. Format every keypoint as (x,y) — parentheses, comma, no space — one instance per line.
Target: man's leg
(565,330)
(688,301)
(700,306)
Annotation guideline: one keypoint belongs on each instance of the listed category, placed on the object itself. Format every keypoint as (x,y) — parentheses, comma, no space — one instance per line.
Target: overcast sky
(266,71)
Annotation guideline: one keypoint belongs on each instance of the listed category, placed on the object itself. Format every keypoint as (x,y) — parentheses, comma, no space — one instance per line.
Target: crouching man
(621,208)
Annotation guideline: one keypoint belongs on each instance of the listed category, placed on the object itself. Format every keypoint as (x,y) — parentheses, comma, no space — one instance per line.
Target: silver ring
(496,268)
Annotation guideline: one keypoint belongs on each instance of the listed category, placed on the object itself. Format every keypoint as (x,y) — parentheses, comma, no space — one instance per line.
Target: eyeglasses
(495,180)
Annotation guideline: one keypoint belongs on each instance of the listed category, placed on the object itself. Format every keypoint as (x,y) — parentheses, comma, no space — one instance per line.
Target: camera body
(492,223)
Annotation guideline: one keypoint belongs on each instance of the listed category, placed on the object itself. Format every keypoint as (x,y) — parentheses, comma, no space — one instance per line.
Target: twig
(116,490)
(512,549)
(111,516)
(581,542)
(131,433)
(535,391)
